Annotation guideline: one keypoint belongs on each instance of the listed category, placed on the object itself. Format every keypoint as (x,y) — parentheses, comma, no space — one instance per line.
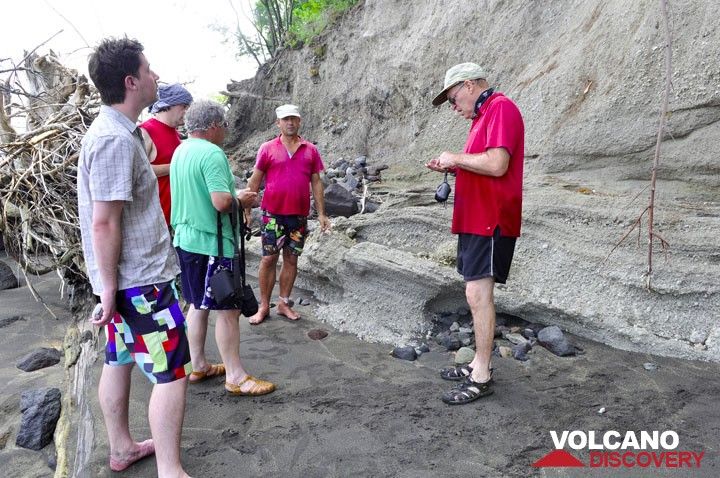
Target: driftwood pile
(38,168)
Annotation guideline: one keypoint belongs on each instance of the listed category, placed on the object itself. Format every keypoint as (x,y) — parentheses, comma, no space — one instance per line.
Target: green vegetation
(220,98)
(280,23)
(312,17)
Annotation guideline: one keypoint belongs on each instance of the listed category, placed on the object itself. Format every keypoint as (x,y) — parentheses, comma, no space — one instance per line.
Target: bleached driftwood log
(38,167)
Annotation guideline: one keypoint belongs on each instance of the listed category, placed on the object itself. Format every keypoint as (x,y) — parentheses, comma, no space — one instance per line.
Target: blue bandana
(171,95)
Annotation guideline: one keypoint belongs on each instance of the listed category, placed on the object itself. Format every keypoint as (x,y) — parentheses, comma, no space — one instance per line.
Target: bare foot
(119,462)
(286,311)
(262,313)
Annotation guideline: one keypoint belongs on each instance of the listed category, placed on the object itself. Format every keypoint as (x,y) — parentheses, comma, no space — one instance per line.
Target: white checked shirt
(113,166)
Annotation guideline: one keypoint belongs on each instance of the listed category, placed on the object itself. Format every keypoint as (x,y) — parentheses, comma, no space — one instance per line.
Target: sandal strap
(473,387)
(460,372)
(454,373)
(217,368)
(467,391)
(258,384)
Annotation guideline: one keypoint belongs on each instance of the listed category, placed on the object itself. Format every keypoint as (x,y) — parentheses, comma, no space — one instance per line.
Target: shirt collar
(303,141)
(482,99)
(126,122)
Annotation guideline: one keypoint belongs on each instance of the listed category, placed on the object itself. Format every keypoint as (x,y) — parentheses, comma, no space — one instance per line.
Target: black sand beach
(347,408)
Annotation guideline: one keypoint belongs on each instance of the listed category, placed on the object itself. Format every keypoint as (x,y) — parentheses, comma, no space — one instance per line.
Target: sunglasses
(453,98)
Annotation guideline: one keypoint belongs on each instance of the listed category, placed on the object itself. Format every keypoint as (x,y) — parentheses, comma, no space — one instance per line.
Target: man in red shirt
(487,210)
(161,137)
(291,168)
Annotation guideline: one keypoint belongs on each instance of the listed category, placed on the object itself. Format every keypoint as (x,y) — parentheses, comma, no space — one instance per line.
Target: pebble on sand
(464,355)
(405,353)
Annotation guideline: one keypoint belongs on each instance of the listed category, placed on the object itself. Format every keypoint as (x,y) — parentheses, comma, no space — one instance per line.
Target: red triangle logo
(558,458)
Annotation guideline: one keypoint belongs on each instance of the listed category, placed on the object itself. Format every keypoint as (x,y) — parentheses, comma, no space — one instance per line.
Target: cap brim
(288,116)
(442,97)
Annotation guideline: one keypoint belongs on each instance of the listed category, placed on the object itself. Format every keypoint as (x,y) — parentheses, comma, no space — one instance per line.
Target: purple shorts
(195,276)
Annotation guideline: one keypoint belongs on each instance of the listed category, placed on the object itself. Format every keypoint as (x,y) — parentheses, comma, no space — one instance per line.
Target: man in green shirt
(201,185)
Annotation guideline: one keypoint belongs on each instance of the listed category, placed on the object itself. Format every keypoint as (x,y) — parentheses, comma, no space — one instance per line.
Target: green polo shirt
(199,168)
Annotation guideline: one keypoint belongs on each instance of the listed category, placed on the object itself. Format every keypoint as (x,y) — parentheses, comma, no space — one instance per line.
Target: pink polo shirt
(484,202)
(287,178)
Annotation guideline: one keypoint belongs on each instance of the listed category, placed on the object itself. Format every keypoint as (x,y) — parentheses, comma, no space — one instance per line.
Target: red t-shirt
(287,179)
(166,139)
(484,202)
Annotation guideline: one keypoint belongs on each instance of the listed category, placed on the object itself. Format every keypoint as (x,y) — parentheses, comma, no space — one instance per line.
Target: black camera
(443,191)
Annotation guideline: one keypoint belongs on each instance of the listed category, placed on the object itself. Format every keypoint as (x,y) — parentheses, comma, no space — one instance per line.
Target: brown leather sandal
(214,370)
(259,387)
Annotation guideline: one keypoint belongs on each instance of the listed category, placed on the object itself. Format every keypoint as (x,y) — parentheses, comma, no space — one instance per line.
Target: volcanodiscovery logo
(613,449)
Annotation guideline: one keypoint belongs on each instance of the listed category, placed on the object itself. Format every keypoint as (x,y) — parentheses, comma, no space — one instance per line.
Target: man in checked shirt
(131,263)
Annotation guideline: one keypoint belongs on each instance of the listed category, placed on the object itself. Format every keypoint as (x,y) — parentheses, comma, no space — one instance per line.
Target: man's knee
(479,293)
(269,261)
(289,257)
(228,315)
(172,388)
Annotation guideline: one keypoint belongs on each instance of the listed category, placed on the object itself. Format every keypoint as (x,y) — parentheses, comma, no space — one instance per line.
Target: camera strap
(243,227)
(238,254)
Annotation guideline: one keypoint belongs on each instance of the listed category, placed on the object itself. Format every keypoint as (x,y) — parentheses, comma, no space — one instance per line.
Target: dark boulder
(370,206)
(10,320)
(40,358)
(405,353)
(8,280)
(553,339)
(520,351)
(375,170)
(41,410)
(350,183)
(339,201)
(451,342)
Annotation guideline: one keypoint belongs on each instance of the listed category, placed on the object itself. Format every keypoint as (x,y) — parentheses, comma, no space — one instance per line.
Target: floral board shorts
(149,329)
(283,231)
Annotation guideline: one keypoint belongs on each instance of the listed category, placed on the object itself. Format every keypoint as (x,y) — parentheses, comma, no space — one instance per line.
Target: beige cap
(457,74)
(287,110)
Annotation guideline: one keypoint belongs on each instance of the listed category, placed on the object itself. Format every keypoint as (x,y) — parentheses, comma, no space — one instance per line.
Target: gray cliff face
(588,77)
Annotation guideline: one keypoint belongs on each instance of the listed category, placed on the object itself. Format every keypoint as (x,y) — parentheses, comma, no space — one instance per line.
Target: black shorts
(479,257)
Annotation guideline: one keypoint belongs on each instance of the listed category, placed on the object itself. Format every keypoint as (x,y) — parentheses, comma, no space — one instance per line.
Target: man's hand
(434,165)
(443,162)
(447,160)
(247,198)
(325,224)
(104,315)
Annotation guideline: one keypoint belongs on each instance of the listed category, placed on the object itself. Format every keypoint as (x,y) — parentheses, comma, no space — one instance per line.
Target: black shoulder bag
(230,287)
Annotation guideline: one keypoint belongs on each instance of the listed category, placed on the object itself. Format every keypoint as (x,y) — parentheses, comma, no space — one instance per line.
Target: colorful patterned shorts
(283,231)
(149,328)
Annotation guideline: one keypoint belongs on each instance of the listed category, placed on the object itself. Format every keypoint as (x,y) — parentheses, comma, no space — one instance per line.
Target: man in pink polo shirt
(291,168)
(487,210)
